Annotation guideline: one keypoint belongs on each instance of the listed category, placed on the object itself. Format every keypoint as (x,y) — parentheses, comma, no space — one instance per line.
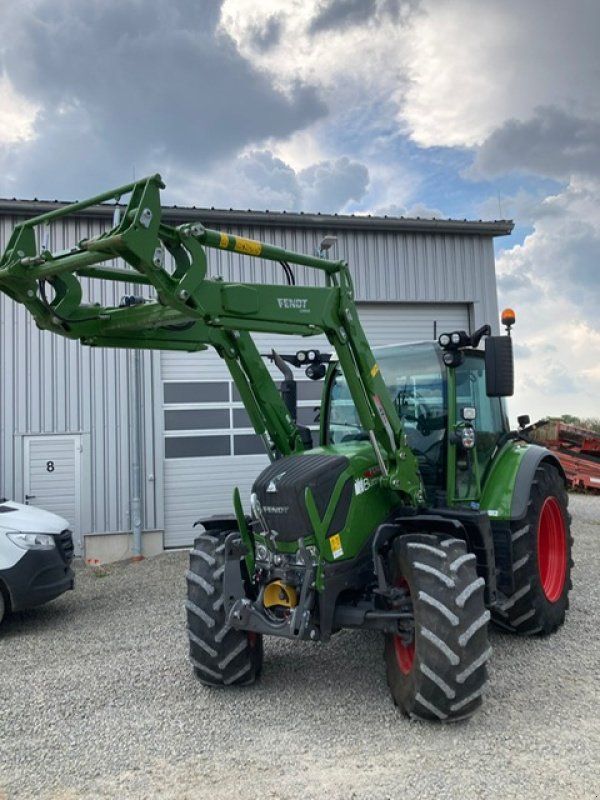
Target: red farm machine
(577,448)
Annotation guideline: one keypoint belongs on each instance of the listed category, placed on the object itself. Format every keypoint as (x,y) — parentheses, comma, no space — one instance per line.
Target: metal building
(65,411)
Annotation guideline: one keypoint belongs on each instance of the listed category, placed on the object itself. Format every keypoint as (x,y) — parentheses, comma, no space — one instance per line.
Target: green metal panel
(496,497)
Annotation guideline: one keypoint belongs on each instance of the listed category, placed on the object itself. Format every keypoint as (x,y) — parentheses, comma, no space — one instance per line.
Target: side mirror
(499,367)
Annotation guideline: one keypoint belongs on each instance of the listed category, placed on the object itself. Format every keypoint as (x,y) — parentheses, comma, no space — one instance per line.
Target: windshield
(416,381)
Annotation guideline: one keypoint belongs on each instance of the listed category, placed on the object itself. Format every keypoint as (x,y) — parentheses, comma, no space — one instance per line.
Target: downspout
(135,370)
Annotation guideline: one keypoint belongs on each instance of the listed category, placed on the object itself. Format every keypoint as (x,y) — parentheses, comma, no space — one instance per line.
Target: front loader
(419,513)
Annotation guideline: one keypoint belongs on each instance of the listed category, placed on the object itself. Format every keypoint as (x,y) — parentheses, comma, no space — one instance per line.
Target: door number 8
(49,466)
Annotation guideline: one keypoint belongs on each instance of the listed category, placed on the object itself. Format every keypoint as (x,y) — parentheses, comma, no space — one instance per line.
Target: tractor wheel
(439,671)
(220,655)
(541,553)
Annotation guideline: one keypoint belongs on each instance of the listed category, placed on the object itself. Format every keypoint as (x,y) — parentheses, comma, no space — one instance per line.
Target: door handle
(29,497)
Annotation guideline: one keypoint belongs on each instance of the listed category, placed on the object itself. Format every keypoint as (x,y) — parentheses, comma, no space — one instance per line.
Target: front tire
(220,655)
(541,560)
(440,672)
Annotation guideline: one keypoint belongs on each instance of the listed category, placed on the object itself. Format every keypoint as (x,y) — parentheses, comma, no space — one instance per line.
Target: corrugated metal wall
(52,385)
(49,385)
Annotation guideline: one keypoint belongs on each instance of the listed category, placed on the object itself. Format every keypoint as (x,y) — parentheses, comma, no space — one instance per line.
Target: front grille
(64,543)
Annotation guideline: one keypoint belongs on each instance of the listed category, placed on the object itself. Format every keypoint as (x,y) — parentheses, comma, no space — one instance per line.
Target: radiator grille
(64,542)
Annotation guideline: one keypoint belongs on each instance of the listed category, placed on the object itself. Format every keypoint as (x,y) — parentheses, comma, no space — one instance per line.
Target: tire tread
(449,672)
(220,655)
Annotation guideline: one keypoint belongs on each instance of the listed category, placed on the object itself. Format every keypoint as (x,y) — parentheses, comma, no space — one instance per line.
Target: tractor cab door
(490,424)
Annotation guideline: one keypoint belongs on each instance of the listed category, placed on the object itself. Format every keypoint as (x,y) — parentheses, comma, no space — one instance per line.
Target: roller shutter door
(209,445)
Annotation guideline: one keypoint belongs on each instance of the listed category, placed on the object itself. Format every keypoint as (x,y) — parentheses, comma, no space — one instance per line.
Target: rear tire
(441,674)
(541,568)
(220,655)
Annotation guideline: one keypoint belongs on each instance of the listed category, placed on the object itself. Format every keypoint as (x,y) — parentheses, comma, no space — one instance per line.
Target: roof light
(508,317)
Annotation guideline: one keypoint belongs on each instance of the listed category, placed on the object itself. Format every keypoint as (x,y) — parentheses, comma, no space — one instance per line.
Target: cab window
(415,379)
(490,422)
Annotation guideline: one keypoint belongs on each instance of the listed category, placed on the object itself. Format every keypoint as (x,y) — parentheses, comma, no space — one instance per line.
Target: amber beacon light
(508,318)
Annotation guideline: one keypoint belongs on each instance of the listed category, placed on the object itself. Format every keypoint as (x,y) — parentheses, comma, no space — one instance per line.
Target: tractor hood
(28,519)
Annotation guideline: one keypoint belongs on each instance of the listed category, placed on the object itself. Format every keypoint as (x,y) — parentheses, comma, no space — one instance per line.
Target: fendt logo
(297,303)
(272,487)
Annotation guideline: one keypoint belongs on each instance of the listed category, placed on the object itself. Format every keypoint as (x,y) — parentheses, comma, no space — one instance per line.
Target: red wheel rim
(405,653)
(552,550)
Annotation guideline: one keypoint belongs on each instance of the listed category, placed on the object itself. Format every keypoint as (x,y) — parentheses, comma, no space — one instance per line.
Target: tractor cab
(451,424)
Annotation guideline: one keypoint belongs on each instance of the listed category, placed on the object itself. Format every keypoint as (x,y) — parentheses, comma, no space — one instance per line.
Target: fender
(508,483)
(534,455)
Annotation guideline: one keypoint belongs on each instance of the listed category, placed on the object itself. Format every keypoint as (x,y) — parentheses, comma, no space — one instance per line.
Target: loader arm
(193,311)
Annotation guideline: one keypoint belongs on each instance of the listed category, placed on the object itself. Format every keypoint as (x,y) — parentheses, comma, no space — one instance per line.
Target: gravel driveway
(98,700)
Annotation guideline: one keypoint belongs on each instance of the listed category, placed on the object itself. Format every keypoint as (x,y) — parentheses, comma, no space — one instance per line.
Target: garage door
(210,446)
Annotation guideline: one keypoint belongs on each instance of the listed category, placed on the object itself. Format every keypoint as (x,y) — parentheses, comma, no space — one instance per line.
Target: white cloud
(331,185)
(450,71)
(553,281)
(18,115)
(262,181)
(472,66)
(353,63)
(123,88)
(550,143)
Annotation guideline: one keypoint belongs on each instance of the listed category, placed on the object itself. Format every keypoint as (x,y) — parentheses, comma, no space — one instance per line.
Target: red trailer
(577,448)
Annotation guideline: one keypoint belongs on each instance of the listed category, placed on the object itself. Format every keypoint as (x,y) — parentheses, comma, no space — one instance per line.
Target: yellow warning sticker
(374,370)
(224,240)
(336,545)
(247,246)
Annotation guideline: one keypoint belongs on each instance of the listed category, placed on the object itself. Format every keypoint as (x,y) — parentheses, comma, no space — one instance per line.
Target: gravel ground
(98,700)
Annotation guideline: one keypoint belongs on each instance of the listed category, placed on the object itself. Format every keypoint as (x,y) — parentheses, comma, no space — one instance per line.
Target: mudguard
(506,492)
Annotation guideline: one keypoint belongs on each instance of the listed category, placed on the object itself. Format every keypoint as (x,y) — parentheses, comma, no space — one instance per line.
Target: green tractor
(419,513)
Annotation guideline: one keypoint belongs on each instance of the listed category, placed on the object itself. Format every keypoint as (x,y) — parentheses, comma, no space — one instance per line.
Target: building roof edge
(330,222)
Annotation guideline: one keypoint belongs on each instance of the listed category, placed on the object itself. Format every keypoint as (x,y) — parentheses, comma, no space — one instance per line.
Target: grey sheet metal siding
(51,385)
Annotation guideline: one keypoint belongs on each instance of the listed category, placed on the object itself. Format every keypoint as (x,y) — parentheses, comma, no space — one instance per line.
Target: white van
(36,551)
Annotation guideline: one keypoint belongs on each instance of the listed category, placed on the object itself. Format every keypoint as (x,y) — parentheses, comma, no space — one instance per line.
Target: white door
(52,478)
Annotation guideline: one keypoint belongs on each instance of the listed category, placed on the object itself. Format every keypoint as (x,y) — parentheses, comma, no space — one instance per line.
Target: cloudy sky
(479,109)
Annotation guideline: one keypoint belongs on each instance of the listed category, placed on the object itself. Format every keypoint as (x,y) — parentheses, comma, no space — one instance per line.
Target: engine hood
(29,519)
